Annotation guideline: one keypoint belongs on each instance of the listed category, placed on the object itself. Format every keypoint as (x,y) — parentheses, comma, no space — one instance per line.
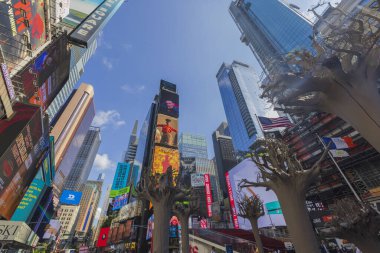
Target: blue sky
(181,41)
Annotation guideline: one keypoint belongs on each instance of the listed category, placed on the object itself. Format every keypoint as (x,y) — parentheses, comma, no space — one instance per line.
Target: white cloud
(107,63)
(133,89)
(126,46)
(110,117)
(102,43)
(103,162)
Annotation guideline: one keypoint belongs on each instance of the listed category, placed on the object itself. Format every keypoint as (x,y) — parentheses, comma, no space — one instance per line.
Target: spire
(134,131)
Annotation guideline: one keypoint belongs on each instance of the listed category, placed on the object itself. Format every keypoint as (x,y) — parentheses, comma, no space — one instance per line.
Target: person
(324,247)
(213,250)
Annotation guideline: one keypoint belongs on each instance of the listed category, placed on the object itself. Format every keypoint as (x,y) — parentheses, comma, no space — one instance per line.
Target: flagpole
(341,172)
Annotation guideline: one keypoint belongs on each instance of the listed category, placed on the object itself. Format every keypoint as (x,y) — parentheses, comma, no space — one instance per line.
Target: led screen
(165,158)
(169,103)
(70,197)
(166,131)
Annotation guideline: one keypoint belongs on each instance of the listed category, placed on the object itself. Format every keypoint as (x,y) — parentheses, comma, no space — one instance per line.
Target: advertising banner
(166,131)
(86,32)
(119,202)
(130,210)
(208,194)
(103,237)
(42,79)
(149,232)
(122,191)
(232,202)
(70,197)
(273,213)
(52,229)
(30,199)
(165,158)
(169,103)
(7,81)
(197,180)
(187,168)
(16,231)
(46,169)
(79,10)
(22,21)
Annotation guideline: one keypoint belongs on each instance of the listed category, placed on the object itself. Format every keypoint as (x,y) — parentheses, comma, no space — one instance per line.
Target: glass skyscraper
(83,162)
(192,145)
(271,29)
(240,91)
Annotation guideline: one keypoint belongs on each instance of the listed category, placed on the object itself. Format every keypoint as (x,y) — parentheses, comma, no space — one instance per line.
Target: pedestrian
(323,247)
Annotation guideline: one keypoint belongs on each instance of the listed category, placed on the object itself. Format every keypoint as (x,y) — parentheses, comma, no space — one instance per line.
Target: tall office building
(92,191)
(192,145)
(67,216)
(132,145)
(271,29)
(225,158)
(121,177)
(207,166)
(69,133)
(240,91)
(85,159)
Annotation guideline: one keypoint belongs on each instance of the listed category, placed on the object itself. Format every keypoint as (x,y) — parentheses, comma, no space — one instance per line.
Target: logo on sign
(71,197)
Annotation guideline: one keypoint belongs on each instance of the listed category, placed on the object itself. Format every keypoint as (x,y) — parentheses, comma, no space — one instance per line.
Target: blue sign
(70,197)
(229,248)
(119,202)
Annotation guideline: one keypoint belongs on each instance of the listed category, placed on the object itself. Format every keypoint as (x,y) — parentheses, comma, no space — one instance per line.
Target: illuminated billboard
(169,103)
(31,197)
(119,202)
(197,180)
(70,197)
(166,131)
(122,191)
(86,32)
(79,10)
(103,237)
(248,170)
(207,182)
(165,158)
(52,229)
(26,27)
(24,140)
(42,79)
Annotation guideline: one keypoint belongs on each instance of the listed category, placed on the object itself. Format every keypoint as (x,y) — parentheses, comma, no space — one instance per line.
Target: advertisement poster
(165,158)
(103,237)
(197,180)
(273,213)
(31,197)
(70,197)
(115,193)
(232,202)
(79,10)
(208,194)
(119,202)
(187,168)
(14,28)
(52,229)
(42,79)
(166,131)
(169,103)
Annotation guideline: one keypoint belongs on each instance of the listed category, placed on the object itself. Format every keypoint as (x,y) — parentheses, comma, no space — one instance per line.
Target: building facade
(239,88)
(67,216)
(271,37)
(132,145)
(225,157)
(69,132)
(192,145)
(121,177)
(85,159)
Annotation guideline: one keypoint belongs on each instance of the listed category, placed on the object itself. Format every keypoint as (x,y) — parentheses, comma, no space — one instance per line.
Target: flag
(270,123)
(339,142)
(339,153)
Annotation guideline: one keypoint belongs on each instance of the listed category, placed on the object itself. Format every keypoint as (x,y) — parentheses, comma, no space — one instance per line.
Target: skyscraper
(192,145)
(69,132)
(225,158)
(84,160)
(132,145)
(121,176)
(240,91)
(271,29)
(90,199)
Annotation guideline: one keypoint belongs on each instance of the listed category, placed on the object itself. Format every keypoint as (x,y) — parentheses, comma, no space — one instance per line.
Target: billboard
(208,194)
(78,11)
(150,227)
(42,79)
(130,210)
(86,32)
(103,237)
(187,168)
(15,231)
(119,202)
(166,131)
(23,28)
(232,202)
(122,191)
(197,180)
(70,197)
(7,81)
(30,199)
(165,158)
(52,229)
(248,170)
(169,103)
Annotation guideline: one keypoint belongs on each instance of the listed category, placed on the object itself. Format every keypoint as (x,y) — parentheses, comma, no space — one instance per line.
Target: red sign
(208,194)
(103,237)
(232,201)
(203,223)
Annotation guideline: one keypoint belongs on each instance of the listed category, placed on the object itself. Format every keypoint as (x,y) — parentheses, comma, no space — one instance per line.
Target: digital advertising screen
(197,180)
(166,131)
(187,165)
(209,201)
(52,229)
(70,197)
(79,10)
(119,192)
(169,103)
(119,202)
(165,158)
(27,27)
(248,170)
(42,79)
(103,237)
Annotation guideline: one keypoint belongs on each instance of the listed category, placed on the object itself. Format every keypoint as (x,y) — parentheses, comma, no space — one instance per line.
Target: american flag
(270,123)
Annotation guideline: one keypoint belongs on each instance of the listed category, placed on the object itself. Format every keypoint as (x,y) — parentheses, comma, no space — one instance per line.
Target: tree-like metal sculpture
(357,224)
(183,210)
(341,75)
(280,171)
(252,208)
(162,191)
